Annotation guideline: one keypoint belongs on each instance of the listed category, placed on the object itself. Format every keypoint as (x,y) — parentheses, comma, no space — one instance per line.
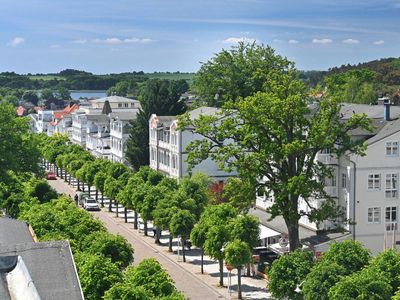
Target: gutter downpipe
(354,199)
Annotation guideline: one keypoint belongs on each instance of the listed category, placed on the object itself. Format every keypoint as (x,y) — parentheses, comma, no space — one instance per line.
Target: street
(187,276)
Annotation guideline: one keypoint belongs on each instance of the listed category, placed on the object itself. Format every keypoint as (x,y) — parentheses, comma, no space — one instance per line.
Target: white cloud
(235,40)
(117,41)
(55,46)
(351,41)
(83,41)
(277,41)
(293,41)
(322,41)
(16,41)
(380,42)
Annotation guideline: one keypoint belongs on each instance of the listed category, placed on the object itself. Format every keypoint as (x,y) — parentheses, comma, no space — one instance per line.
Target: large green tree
(159,97)
(273,135)
(18,148)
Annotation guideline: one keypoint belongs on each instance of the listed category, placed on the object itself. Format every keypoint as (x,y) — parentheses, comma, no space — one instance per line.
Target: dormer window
(392,148)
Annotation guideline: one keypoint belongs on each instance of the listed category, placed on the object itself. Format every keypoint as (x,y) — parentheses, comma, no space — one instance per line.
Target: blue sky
(40,36)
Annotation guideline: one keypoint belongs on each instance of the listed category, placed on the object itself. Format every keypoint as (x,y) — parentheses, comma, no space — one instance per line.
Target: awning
(266,232)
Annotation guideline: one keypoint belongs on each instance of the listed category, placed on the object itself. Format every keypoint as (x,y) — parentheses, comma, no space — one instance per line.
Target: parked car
(51,176)
(82,197)
(90,204)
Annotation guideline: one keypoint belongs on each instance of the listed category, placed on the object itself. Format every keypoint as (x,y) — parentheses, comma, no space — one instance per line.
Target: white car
(90,204)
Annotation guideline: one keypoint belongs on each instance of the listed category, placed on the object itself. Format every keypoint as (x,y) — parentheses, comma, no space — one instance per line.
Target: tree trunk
(170,243)
(202,261)
(83,187)
(97,194)
(248,270)
(89,189)
(109,205)
(239,282)
(294,241)
(57,171)
(221,272)
(145,228)
(183,248)
(158,235)
(116,205)
(135,221)
(102,199)
(61,173)
(69,179)
(79,187)
(126,214)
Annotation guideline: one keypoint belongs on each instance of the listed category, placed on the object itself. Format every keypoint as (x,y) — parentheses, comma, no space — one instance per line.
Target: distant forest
(387,72)
(80,80)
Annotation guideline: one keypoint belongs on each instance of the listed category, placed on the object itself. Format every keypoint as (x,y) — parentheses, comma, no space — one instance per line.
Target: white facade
(168,145)
(118,139)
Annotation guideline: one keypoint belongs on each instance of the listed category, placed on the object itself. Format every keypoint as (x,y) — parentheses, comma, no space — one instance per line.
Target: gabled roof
(114,99)
(71,108)
(51,267)
(14,232)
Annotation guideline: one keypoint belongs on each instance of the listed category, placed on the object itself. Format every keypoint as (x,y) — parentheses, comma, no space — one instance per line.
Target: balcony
(327,159)
(331,191)
(102,134)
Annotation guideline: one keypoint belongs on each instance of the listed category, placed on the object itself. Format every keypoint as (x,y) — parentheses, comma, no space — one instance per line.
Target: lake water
(75,95)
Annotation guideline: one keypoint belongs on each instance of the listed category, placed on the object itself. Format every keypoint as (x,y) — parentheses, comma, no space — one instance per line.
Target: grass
(46,77)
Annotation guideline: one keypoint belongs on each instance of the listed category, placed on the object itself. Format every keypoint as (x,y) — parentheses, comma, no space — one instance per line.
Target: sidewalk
(252,288)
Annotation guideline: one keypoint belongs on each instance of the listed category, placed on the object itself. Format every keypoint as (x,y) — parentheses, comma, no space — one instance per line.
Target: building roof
(372,111)
(14,232)
(389,128)
(124,115)
(114,99)
(51,267)
(203,110)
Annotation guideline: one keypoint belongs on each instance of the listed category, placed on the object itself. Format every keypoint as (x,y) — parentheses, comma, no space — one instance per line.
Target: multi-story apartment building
(119,134)
(102,127)
(40,122)
(366,187)
(62,121)
(168,144)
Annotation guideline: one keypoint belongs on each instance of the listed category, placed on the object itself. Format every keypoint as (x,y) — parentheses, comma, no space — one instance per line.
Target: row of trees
(346,271)
(183,209)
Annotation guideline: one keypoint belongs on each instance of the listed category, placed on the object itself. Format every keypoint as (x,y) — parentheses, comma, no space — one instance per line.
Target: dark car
(51,176)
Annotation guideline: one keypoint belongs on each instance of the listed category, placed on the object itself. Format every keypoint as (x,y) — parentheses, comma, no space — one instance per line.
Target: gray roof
(114,99)
(124,115)
(14,232)
(388,129)
(372,111)
(99,118)
(203,110)
(51,267)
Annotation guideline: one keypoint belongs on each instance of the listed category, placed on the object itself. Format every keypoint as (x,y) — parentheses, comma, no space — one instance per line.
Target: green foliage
(239,193)
(246,229)
(40,189)
(30,96)
(388,264)
(182,223)
(354,86)
(124,89)
(364,285)
(97,274)
(47,94)
(18,148)
(238,73)
(237,253)
(112,246)
(288,272)
(159,97)
(148,280)
(321,278)
(348,254)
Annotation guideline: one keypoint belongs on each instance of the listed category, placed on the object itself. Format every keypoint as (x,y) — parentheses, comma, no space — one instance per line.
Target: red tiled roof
(70,109)
(58,115)
(53,123)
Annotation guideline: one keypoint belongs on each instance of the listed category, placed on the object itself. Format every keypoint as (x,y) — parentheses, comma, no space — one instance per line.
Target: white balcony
(327,159)
(331,191)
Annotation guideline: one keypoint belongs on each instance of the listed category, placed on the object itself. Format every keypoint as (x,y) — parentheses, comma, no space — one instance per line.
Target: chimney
(386,111)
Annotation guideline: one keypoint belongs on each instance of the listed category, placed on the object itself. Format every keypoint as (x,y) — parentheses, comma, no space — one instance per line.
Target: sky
(112,36)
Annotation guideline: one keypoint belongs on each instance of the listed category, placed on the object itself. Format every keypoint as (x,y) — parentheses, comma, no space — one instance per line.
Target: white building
(102,128)
(366,187)
(40,122)
(168,144)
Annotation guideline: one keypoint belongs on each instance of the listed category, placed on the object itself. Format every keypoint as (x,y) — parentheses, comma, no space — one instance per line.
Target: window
(391,190)
(392,148)
(119,104)
(374,181)
(344,180)
(374,215)
(391,218)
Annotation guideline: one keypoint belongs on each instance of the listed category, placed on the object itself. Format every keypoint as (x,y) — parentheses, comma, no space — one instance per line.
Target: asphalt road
(190,284)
